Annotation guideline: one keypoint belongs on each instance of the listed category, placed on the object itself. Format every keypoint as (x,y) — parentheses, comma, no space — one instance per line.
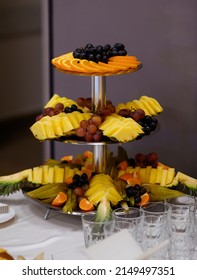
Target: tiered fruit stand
(98,97)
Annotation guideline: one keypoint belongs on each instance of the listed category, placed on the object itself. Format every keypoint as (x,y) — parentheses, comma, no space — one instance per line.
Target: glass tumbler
(93,231)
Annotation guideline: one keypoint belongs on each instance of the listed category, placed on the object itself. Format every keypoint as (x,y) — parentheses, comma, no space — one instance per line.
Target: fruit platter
(98,180)
(71,186)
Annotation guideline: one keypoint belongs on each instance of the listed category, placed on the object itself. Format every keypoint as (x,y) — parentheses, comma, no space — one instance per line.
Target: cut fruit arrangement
(63,118)
(75,184)
(97,61)
(71,184)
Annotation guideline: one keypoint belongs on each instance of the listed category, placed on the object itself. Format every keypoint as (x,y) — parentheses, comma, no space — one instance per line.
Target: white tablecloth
(60,236)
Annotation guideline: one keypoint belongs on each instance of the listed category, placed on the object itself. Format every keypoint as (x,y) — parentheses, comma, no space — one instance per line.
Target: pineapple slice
(38,130)
(37,175)
(51,175)
(152,178)
(150,105)
(120,128)
(57,125)
(58,174)
(66,124)
(102,186)
(102,193)
(14,182)
(52,101)
(170,175)
(164,177)
(159,174)
(153,103)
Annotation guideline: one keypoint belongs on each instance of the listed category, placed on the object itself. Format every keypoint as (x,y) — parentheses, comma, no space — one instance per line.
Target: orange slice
(67,158)
(93,67)
(76,65)
(126,176)
(124,64)
(116,65)
(88,154)
(123,165)
(123,58)
(60,199)
(69,180)
(133,181)
(85,205)
(145,198)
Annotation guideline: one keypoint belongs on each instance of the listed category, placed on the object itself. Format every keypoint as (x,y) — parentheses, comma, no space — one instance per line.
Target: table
(60,236)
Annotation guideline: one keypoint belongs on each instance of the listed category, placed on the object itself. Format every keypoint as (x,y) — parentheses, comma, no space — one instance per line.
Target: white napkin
(121,246)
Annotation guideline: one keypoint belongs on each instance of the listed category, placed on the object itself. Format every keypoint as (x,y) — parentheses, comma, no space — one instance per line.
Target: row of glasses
(150,225)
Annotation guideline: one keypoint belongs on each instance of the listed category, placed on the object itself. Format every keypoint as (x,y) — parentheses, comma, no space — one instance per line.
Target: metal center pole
(98,95)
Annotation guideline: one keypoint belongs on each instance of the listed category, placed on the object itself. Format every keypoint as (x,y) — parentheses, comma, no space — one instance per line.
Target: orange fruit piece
(123,165)
(126,176)
(145,198)
(69,180)
(60,199)
(67,158)
(85,205)
(133,181)
(87,154)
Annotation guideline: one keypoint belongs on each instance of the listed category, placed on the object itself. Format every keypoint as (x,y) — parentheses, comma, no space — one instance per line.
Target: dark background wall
(162,34)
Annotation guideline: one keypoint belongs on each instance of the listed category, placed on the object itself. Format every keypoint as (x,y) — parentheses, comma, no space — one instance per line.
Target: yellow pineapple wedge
(120,129)
(58,125)
(150,105)
(102,193)
(55,99)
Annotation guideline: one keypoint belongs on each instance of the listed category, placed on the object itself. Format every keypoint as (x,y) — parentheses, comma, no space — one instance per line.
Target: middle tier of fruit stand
(98,97)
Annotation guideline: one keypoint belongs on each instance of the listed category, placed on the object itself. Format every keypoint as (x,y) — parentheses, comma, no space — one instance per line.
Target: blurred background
(162,34)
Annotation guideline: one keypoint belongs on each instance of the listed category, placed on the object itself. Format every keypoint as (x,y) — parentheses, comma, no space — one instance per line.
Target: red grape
(48,110)
(39,117)
(81,101)
(152,158)
(52,112)
(96,120)
(84,124)
(106,111)
(59,107)
(140,157)
(92,128)
(88,137)
(98,136)
(80,132)
(124,112)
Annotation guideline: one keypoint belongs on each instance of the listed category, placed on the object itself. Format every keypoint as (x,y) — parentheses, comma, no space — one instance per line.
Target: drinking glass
(131,215)
(116,226)
(153,233)
(93,231)
(181,233)
(186,201)
(155,208)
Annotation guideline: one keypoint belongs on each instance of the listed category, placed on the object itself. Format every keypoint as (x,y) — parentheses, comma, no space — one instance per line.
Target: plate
(7,216)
